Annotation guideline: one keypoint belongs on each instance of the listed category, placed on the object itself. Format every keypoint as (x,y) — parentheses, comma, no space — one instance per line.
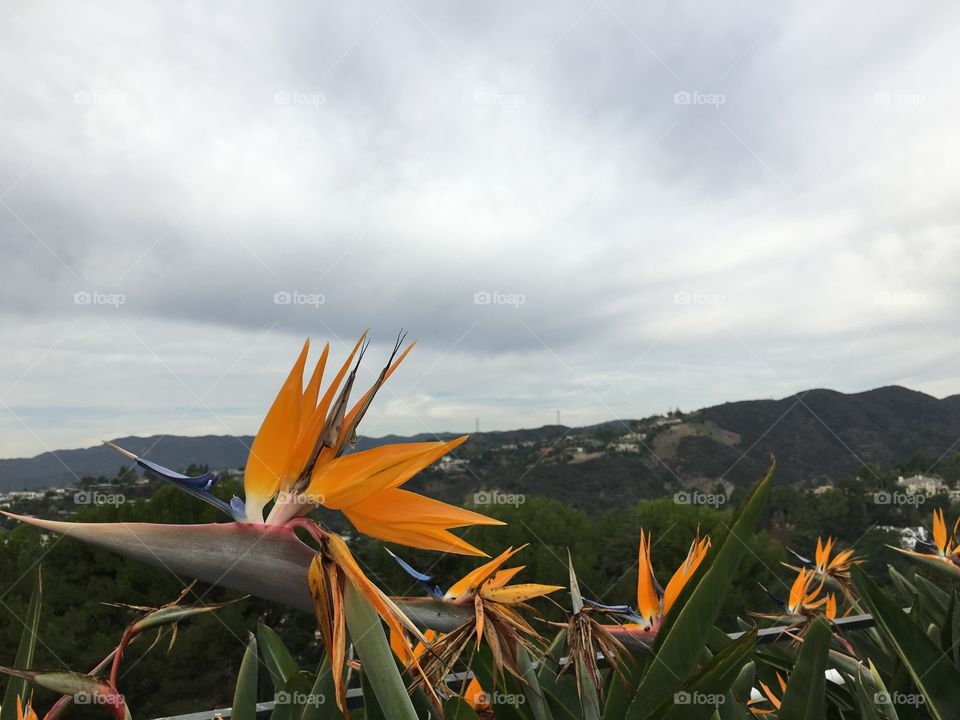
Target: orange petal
(798,590)
(473,579)
(648,604)
(353,478)
(502,577)
(698,551)
(403,517)
(312,425)
(353,417)
(308,401)
(939,530)
(274,441)
(475,696)
(385,607)
(518,593)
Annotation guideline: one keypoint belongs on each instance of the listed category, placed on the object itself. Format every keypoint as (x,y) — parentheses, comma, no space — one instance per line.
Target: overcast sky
(603,208)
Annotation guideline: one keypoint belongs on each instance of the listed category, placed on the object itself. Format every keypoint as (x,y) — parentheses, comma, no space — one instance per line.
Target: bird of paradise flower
(496,618)
(299,461)
(944,552)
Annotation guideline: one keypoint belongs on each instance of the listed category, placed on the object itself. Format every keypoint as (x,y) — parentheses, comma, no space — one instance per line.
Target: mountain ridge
(818,435)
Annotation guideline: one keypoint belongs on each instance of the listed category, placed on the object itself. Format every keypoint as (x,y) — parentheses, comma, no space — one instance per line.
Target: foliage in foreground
(906,666)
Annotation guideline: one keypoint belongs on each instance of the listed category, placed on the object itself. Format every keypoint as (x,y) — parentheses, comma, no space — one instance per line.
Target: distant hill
(64,467)
(818,436)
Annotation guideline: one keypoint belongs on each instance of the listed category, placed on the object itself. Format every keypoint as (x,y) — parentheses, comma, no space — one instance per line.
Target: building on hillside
(909,536)
(922,485)
(452,464)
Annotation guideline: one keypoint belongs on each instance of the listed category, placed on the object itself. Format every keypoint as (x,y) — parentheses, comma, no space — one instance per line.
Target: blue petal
(435,592)
(415,574)
(619,609)
(199,486)
(801,558)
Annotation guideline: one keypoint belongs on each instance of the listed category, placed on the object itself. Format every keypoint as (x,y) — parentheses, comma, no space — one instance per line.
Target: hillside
(819,436)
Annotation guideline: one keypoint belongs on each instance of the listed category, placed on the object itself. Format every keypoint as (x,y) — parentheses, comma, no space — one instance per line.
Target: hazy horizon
(472,430)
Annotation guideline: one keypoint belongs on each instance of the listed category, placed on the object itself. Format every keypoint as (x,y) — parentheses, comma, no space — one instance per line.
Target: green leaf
(245,694)
(682,634)
(930,668)
(702,695)
(65,682)
(456,708)
(872,695)
(589,700)
(293,699)
(374,653)
(276,657)
(322,693)
(17,687)
(482,667)
(371,706)
(532,690)
(176,613)
(805,694)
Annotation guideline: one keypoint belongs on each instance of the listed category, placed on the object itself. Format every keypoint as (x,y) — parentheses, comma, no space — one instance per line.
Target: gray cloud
(606,209)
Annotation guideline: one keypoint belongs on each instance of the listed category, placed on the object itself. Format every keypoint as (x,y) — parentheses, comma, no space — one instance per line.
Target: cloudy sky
(603,208)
